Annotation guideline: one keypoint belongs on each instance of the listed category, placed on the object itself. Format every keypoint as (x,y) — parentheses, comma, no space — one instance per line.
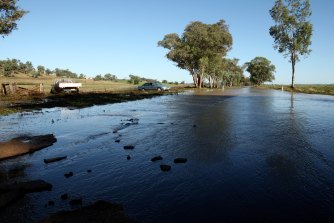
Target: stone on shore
(24,145)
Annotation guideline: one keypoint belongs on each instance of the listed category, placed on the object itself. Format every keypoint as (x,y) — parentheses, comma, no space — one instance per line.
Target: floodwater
(253,155)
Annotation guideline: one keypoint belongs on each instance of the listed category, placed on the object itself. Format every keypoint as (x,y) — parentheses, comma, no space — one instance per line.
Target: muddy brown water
(251,154)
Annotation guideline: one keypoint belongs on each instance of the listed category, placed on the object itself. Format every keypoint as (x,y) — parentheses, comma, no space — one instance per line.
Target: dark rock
(28,186)
(156,158)
(64,196)
(161,123)
(128,157)
(67,175)
(9,197)
(165,167)
(12,192)
(129,147)
(76,201)
(117,140)
(51,203)
(180,160)
(115,131)
(194,126)
(89,171)
(100,211)
(55,159)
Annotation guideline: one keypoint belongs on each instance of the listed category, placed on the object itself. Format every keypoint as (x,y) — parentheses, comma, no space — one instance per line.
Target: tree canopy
(261,70)
(199,46)
(292,30)
(10,13)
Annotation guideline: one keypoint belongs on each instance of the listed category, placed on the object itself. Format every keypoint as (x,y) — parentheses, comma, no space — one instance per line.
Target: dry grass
(91,93)
(88,85)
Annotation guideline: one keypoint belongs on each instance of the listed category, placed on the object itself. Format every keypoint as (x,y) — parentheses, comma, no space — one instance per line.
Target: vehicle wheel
(159,89)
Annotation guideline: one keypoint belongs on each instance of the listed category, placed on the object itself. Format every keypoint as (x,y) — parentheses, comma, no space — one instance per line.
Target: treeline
(202,50)
(11,67)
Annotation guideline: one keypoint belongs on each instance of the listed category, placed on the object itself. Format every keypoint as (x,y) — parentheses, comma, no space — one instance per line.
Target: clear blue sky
(120,37)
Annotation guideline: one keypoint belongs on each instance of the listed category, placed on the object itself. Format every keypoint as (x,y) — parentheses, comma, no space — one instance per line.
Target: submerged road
(252,155)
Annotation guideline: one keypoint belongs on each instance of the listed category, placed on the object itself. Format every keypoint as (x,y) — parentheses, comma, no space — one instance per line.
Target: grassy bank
(305,88)
(91,93)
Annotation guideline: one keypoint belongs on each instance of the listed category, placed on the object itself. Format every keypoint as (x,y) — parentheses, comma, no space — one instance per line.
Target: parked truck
(65,85)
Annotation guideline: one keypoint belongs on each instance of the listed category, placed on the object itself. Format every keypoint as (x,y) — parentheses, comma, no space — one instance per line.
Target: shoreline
(18,103)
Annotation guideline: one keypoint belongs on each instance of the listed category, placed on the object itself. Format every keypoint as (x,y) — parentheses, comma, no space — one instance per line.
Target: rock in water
(180,160)
(101,211)
(67,175)
(129,147)
(156,158)
(11,192)
(55,159)
(28,186)
(64,196)
(76,201)
(165,167)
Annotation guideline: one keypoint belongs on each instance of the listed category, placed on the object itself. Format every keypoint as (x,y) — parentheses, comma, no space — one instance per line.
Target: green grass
(325,89)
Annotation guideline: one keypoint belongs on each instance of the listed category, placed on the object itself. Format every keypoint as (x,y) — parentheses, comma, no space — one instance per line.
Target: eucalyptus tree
(261,70)
(232,72)
(41,70)
(292,30)
(198,45)
(10,13)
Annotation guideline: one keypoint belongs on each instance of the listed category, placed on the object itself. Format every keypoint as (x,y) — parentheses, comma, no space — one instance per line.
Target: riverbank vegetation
(327,89)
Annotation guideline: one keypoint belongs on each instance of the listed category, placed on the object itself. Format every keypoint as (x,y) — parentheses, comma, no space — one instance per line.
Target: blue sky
(120,37)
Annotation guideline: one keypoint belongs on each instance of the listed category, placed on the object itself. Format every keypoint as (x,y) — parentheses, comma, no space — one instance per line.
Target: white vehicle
(66,85)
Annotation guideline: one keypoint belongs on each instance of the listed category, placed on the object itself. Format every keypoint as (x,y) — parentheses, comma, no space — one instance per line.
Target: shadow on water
(256,155)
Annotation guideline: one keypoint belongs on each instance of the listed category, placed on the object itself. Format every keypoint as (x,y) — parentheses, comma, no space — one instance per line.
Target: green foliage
(35,74)
(48,71)
(82,76)
(110,77)
(292,31)
(164,81)
(98,78)
(41,70)
(199,45)
(9,14)
(65,73)
(11,66)
(261,70)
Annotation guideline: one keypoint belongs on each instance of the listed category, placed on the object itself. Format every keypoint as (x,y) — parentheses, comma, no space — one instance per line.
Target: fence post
(12,87)
(41,88)
(3,89)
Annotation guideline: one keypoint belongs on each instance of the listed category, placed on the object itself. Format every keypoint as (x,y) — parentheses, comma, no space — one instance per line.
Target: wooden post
(41,88)
(3,89)
(12,87)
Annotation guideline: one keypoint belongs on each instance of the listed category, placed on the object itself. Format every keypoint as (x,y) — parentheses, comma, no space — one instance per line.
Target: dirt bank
(11,104)
(24,145)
